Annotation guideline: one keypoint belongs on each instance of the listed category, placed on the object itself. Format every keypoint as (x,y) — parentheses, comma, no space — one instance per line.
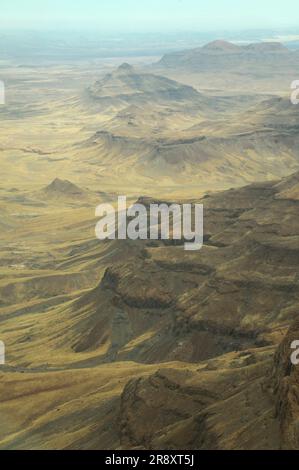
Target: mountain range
(122,344)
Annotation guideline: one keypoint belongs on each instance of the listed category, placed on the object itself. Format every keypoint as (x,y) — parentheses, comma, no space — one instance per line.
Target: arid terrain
(123,344)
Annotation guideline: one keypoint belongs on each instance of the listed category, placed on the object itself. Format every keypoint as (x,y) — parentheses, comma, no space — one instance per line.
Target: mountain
(225,47)
(221,47)
(62,188)
(153,128)
(230,56)
(129,86)
(267,47)
(265,67)
(220,151)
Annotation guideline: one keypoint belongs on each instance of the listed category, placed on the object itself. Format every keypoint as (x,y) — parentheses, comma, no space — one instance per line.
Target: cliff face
(285,380)
(245,400)
(223,404)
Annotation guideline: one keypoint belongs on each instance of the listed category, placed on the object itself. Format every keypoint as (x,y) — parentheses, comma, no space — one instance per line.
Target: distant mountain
(221,46)
(147,105)
(59,191)
(266,47)
(62,188)
(228,55)
(230,48)
(257,144)
(127,85)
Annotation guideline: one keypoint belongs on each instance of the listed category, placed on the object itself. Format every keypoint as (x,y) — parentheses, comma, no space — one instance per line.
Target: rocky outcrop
(285,382)
(224,405)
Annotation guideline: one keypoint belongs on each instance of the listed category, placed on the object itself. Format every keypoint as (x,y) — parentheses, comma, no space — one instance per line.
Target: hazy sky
(149,15)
